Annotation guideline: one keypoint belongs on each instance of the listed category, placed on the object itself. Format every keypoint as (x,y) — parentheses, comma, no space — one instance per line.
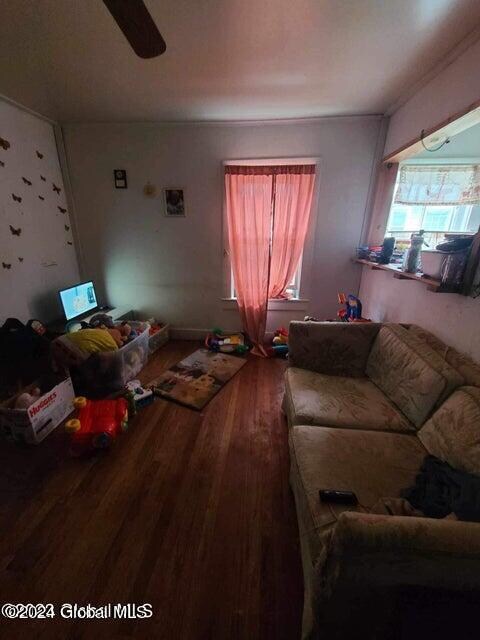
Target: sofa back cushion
(453,432)
(410,373)
(331,348)
(466,367)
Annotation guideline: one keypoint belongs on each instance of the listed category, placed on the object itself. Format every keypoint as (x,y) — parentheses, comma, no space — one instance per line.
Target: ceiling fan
(137,25)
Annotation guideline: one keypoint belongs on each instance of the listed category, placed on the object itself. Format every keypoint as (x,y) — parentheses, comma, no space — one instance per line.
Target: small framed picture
(120,177)
(174,203)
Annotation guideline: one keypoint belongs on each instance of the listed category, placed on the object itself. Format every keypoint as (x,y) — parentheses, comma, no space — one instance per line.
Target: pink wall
(452,317)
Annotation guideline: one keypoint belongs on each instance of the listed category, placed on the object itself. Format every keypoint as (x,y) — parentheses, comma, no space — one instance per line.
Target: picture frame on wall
(174,202)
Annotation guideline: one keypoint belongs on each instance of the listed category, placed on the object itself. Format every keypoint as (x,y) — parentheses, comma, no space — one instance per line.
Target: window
(269,206)
(439,199)
(292,291)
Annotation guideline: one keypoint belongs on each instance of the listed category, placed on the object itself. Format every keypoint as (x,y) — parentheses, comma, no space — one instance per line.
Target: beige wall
(453,318)
(173,268)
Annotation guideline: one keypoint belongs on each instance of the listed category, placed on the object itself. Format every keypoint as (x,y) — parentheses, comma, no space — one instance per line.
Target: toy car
(97,424)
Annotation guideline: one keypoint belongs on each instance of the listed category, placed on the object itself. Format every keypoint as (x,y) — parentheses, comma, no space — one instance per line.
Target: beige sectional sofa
(365,403)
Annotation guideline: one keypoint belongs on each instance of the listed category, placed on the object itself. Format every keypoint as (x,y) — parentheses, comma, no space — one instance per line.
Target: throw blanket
(440,489)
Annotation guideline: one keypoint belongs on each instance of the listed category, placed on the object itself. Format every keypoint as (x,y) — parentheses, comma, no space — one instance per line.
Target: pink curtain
(293,193)
(386,179)
(249,203)
(268,209)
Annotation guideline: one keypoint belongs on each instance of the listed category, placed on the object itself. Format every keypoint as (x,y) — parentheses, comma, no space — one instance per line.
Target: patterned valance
(269,170)
(438,184)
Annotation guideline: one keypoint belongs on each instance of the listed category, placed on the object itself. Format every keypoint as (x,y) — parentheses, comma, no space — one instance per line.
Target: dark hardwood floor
(191,512)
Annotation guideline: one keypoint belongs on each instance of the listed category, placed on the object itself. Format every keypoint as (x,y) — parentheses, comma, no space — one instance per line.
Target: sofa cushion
(318,399)
(333,348)
(410,372)
(453,432)
(466,367)
(370,463)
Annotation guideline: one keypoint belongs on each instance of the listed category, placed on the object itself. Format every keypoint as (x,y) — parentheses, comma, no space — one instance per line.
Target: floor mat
(197,378)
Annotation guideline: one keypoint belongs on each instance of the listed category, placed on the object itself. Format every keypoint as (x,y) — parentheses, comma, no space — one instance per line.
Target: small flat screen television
(79,300)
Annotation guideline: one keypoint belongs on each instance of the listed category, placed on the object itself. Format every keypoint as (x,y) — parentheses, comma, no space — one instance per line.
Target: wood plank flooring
(191,512)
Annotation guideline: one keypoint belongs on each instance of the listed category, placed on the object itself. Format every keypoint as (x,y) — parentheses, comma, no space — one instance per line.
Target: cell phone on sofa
(338,497)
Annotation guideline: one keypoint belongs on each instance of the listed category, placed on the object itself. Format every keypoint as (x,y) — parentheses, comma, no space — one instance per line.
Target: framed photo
(120,178)
(174,203)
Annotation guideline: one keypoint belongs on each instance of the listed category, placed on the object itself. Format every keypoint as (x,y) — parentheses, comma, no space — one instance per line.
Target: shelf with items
(396,270)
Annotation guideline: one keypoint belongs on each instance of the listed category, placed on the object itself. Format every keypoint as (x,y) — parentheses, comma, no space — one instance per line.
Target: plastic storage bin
(158,339)
(116,368)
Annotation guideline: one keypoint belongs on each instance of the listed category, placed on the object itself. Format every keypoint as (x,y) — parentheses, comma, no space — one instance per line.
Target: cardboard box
(34,424)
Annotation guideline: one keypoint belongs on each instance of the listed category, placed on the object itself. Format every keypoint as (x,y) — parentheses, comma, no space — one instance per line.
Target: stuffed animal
(116,335)
(25,399)
(120,333)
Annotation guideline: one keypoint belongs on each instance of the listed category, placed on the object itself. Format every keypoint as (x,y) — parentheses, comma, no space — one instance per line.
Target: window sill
(431,284)
(299,304)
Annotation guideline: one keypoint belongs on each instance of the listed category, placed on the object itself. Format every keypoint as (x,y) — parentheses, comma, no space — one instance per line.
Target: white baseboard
(179,333)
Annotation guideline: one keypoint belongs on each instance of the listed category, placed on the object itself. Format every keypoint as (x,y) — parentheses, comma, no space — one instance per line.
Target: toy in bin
(226,343)
(97,424)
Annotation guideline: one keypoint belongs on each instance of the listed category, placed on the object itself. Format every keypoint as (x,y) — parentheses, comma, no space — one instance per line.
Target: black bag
(24,356)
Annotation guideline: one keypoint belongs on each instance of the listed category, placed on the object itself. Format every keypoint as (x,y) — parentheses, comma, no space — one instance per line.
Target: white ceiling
(225,59)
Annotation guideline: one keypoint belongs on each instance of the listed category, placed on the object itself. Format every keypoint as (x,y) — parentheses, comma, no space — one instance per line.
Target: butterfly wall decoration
(15,232)
(16,198)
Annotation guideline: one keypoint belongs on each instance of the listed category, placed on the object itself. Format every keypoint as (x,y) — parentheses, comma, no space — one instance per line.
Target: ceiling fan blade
(137,26)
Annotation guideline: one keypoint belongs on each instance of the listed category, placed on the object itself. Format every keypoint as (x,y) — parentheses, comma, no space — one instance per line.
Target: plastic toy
(279,346)
(280,350)
(353,308)
(226,343)
(281,336)
(97,424)
(141,397)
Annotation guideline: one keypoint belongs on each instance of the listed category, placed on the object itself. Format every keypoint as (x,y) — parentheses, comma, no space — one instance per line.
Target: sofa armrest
(369,550)
(386,569)
(332,348)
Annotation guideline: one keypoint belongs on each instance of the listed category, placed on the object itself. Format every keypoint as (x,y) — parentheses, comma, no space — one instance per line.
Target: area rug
(195,380)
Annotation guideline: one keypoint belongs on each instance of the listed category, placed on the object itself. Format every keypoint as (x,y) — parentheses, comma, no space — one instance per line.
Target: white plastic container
(116,368)
(432,263)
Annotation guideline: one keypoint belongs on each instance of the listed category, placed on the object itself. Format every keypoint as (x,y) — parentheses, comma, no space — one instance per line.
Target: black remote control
(339,497)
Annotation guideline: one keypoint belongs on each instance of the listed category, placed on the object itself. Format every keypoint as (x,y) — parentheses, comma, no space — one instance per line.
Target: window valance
(269,170)
(438,184)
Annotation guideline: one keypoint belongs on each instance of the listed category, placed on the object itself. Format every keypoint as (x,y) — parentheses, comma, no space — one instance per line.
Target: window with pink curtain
(268,211)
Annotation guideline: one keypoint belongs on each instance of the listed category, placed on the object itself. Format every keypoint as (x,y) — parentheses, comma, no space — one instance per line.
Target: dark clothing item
(440,490)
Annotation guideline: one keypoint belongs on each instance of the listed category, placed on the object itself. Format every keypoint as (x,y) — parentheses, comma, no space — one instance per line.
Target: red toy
(97,424)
